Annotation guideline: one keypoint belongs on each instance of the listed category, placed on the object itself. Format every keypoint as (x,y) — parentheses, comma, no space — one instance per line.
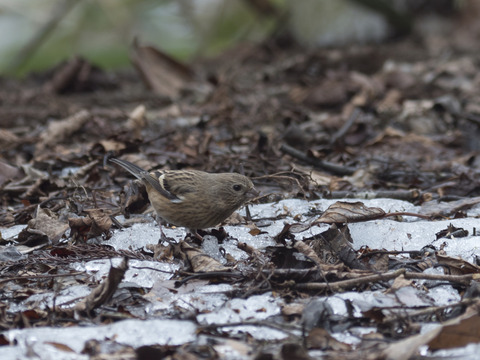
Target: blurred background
(36,35)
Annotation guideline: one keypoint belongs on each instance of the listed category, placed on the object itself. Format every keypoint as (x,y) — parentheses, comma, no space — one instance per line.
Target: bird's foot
(165,239)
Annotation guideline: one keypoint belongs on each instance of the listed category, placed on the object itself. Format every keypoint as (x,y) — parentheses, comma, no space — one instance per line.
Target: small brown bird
(191,198)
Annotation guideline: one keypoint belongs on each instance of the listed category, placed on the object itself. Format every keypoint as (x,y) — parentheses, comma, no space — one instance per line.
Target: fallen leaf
(454,333)
(319,338)
(45,223)
(8,172)
(200,261)
(61,130)
(61,347)
(163,74)
(349,212)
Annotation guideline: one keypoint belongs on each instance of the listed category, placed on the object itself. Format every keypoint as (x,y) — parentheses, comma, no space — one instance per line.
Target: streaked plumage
(191,198)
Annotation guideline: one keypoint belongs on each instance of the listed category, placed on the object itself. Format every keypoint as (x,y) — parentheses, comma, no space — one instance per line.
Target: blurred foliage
(38,34)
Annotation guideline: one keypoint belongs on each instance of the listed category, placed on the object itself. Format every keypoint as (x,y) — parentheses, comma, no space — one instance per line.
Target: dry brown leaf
(61,130)
(339,240)
(398,283)
(451,232)
(46,223)
(390,133)
(378,262)
(235,219)
(456,266)
(161,252)
(349,212)
(457,332)
(136,121)
(200,261)
(250,250)
(103,292)
(390,104)
(308,252)
(434,208)
(95,224)
(163,74)
(255,231)
(8,138)
(320,179)
(61,347)
(101,219)
(293,309)
(8,172)
(112,145)
(319,338)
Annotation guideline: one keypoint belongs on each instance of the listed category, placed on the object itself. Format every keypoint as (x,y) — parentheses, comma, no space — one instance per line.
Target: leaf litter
(364,242)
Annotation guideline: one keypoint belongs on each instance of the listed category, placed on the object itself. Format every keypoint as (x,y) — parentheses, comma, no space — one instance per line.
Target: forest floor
(300,274)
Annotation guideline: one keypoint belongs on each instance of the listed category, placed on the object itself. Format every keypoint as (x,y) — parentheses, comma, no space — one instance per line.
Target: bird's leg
(195,234)
(163,237)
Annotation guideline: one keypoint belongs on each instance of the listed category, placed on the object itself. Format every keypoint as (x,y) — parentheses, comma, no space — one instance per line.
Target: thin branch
(350,283)
(323,165)
(32,277)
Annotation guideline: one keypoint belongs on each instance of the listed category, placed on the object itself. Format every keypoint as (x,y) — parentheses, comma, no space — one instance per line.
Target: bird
(192,199)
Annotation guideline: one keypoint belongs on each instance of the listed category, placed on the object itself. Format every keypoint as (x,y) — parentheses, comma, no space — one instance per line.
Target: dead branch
(322,165)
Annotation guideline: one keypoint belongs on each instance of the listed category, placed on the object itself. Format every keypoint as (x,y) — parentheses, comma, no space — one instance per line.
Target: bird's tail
(131,168)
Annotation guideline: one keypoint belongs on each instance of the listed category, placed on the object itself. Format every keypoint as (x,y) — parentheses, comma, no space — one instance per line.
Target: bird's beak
(252,193)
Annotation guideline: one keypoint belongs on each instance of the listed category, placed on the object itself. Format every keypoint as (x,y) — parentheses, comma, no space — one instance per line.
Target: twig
(426,217)
(32,277)
(289,273)
(279,327)
(340,134)
(207,275)
(408,195)
(389,252)
(427,311)
(324,165)
(362,279)
(350,283)
(441,277)
(153,269)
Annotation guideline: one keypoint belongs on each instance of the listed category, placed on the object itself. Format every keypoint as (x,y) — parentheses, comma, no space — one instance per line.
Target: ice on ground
(143,273)
(135,333)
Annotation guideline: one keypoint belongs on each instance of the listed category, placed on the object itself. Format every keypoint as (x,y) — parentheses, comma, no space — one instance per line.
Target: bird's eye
(237,187)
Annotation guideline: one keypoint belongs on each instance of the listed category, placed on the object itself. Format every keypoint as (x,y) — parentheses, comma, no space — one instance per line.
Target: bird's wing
(171,185)
(179,183)
(156,180)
